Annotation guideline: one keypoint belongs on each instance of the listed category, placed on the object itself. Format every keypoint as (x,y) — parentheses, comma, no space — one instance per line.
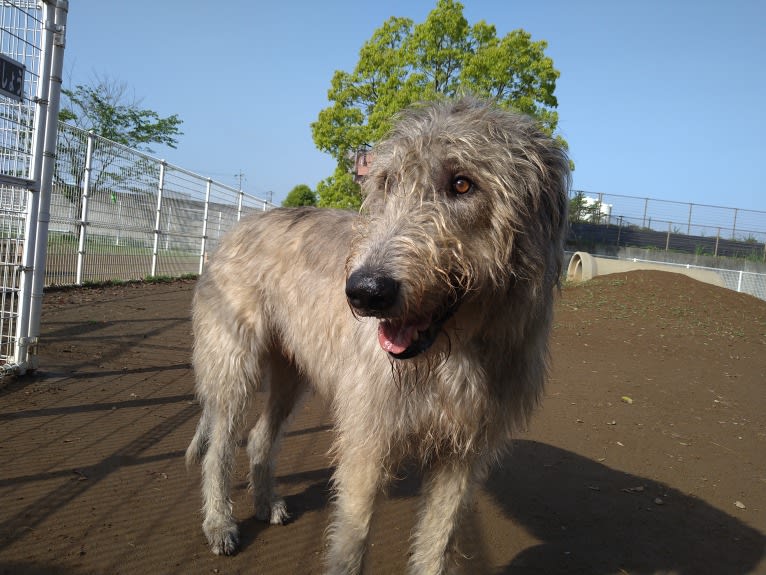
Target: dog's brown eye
(461,185)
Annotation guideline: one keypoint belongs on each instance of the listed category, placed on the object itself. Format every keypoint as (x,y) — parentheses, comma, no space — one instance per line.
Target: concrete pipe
(583,267)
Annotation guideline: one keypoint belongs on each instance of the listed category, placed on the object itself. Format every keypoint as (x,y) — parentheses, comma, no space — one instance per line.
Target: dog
(424,320)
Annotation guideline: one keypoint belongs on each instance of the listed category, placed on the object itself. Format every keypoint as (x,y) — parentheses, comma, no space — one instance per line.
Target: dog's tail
(198,446)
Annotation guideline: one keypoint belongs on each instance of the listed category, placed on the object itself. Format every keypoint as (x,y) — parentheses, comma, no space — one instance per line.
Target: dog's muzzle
(376,295)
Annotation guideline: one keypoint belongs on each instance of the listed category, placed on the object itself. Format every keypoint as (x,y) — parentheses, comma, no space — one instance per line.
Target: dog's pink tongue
(393,338)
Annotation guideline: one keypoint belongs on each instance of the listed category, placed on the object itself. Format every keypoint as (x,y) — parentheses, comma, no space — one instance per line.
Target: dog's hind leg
(226,375)
(219,524)
(263,442)
(447,490)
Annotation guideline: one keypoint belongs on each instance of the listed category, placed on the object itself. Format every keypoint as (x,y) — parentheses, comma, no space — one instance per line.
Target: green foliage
(581,210)
(339,191)
(442,57)
(300,195)
(104,109)
(576,207)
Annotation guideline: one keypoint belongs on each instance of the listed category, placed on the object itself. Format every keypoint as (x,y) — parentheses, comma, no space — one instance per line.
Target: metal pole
(46,175)
(26,278)
(717,238)
(239,204)
(203,245)
(600,203)
(646,205)
(689,222)
(734,225)
(84,214)
(619,230)
(157,219)
(667,241)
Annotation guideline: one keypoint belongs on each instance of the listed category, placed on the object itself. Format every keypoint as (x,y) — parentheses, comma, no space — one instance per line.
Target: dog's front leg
(447,491)
(357,480)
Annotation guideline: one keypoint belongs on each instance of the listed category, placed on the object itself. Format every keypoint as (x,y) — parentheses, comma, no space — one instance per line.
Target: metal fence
(32,39)
(75,208)
(729,241)
(670,225)
(119,214)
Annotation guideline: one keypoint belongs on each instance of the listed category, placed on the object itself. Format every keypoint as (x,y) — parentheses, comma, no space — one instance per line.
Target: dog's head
(463,201)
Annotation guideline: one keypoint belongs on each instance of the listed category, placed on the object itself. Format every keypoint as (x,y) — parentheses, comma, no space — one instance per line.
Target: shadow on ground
(595,520)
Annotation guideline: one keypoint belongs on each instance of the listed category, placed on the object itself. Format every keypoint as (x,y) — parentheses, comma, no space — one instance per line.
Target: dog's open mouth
(406,340)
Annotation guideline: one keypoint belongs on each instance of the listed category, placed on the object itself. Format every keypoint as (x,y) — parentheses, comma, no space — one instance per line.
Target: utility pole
(241,177)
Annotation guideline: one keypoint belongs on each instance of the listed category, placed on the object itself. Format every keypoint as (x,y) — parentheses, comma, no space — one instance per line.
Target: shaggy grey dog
(424,321)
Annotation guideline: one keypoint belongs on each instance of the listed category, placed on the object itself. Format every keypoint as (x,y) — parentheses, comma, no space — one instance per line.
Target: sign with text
(11,78)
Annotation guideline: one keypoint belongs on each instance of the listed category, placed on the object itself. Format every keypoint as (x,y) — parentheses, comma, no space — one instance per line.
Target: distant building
(361,161)
(596,211)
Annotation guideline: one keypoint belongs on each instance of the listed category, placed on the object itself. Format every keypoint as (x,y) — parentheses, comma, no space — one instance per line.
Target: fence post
(84,212)
(239,204)
(717,238)
(203,246)
(689,222)
(667,240)
(643,220)
(600,203)
(739,282)
(619,230)
(157,220)
(26,269)
(46,174)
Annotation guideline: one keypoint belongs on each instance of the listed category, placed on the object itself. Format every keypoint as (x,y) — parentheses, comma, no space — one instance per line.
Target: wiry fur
(271,310)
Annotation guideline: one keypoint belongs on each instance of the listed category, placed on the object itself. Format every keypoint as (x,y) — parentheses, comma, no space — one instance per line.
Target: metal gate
(32,38)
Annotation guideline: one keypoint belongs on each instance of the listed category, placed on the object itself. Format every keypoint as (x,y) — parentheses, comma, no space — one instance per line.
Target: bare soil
(647,456)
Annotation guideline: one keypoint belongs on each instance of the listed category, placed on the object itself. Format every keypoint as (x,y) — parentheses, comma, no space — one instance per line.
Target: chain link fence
(669,225)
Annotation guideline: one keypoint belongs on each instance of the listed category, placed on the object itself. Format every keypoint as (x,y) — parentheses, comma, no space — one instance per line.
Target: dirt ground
(647,456)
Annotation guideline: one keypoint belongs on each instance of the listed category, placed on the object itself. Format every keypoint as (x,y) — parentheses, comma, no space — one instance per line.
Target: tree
(584,209)
(106,109)
(442,57)
(300,195)
(339,191)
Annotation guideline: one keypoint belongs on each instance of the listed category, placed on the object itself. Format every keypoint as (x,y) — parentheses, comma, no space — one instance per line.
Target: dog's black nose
(371,292)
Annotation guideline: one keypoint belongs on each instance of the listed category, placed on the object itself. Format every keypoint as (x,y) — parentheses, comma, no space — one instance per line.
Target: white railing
(120,214)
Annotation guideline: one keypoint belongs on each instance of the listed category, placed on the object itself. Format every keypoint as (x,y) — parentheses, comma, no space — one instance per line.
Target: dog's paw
(223,539)
(274,512)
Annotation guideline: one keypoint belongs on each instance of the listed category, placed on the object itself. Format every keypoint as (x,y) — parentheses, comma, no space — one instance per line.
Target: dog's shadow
(594,520)
(315,497)
(587,517)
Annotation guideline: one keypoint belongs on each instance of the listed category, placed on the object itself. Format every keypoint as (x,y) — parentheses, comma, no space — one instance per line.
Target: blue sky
(658,99)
